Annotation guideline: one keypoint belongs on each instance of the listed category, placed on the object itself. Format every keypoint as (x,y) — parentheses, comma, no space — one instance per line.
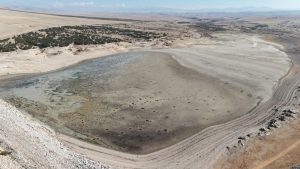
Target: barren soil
(207,91)
(279,150)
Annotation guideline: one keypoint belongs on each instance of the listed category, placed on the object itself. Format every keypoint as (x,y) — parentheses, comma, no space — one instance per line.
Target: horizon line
(155,10)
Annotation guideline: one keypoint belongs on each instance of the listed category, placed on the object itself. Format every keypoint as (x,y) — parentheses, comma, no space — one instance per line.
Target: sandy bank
(41,61)
(245,61)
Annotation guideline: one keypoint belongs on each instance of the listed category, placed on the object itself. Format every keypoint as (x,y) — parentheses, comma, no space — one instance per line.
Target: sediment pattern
(201,150)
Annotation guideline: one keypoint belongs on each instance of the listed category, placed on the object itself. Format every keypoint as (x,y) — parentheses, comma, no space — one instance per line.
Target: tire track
(204,148)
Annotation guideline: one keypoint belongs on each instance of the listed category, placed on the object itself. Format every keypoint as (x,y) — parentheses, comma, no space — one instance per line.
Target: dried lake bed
(128,102)
(141,102)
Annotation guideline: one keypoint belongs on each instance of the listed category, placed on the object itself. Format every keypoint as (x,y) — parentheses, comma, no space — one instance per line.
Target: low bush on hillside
(78,35)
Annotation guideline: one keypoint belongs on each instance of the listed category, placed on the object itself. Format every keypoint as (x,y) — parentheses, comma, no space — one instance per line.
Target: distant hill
(265,11)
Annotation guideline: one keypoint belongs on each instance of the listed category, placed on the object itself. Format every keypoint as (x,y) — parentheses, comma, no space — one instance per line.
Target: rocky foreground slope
(26,143)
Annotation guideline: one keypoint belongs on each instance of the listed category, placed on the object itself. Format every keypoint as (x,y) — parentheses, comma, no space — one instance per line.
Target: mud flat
(203,148)
(241,60)
(134,102)
(141,102)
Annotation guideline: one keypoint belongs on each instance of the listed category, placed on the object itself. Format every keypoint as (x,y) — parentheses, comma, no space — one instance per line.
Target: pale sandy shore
(242,60)
(230,58)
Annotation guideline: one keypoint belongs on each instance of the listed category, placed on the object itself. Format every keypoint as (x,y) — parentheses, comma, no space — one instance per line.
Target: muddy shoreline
(127,140)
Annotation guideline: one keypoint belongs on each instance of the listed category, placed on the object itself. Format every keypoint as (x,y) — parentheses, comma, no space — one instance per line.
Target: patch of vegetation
(208,26)
(5,153)
(183,22)
(259,26)
(256,28)
(78,35)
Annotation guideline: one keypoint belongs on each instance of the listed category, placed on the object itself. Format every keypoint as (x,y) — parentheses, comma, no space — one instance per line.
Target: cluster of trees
(7,47)
(136,34)
(209,27)
(66,35)
(259,26)
(107,29)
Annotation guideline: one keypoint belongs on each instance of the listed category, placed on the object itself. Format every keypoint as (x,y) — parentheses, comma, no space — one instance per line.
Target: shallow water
(50,95)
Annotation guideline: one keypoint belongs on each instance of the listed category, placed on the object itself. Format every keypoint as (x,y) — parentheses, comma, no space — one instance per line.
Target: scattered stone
(273,124)
(4,153)
(288,115)
(240,142)
(296,167)
(241,138)
(262,129)
(282,118)
(289,111)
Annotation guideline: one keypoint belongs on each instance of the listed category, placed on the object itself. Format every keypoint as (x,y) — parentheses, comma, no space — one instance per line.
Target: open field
(183,101)
(14,23)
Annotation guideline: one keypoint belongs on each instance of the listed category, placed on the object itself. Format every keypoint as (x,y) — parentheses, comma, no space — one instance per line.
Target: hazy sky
(178,4)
